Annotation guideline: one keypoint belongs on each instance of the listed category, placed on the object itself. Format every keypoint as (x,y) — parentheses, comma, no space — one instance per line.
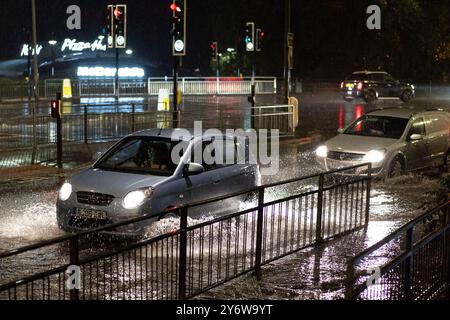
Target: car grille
(96,199)
(345,156)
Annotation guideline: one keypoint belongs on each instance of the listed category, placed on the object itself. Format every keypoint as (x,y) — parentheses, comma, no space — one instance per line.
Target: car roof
(405,112)
(393,112)
(370,72)
(172,132)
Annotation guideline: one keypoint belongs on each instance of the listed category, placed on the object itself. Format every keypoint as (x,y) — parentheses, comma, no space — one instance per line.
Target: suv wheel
(396,168)
(406,96)
(370,96)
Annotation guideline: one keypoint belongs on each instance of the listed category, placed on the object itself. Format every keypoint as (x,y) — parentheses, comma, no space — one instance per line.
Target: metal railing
(109,122)
(143,87)
(412,263)
(279,117)
(194,258)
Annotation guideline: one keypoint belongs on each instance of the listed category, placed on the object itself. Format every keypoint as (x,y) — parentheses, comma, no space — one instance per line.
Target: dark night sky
(148,25)
(330,36)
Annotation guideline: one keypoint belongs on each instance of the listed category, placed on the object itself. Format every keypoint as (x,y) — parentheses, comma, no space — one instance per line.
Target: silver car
(137,177)
(394,140)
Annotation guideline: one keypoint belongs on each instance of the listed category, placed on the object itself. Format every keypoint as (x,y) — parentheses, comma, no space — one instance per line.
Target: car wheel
(406,96)
(370,96)
(396,169)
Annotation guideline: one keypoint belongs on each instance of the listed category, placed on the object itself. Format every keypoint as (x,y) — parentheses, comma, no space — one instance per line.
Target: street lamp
(52,43)
(129,52)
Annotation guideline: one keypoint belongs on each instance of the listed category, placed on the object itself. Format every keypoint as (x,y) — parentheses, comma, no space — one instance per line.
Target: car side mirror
(415,137)
(193,169)
(96,156)
(340,130)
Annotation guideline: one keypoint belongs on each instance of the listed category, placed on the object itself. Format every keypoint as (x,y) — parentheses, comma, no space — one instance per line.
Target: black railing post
(408,264)
(369,187)
(85,124)
(319,237)
(447,244)
(74,253)
(259,232)
(183,254)
(350,281)
(133,111)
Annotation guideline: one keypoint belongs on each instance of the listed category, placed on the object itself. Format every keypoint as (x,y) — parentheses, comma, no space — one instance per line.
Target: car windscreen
(143,155)
(378,126)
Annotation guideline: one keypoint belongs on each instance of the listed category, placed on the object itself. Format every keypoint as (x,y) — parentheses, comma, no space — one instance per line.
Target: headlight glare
(374,156)
(136,198)
(322,151)
(65,191)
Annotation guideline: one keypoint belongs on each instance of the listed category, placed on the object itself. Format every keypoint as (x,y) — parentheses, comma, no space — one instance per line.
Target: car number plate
(91,214)
(349,86)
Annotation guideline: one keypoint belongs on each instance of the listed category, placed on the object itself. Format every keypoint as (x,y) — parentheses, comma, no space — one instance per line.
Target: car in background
(394,140)
(374,85)
(137,177)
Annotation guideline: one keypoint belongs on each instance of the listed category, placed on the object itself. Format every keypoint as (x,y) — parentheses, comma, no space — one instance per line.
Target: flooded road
(27,215)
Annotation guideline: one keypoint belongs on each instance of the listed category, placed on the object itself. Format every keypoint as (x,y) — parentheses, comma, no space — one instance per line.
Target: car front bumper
(328,164)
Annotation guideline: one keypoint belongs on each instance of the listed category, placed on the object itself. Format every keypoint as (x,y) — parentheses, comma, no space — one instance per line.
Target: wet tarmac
(27,213)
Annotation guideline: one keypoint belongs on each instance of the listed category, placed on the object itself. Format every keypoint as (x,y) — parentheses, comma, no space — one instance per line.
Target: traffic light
(110,25)
(178,8)
(55,110)
(120,26)
(259,39)
(214,50)
(250,36)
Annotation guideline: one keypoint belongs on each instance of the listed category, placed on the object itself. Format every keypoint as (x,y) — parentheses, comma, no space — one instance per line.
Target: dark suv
(373,85)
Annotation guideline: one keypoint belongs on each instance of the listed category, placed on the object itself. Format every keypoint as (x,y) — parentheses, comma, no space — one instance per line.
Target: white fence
(223,86)
(144,87)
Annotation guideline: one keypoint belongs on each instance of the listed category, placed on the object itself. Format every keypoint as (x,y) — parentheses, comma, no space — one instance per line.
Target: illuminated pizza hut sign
(72,45)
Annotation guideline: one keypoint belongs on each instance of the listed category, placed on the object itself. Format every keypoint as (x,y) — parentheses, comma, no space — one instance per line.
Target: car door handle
(216,181)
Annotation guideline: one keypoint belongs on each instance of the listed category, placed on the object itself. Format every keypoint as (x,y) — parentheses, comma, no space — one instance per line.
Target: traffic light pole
(116,83)
(59,150)
(35,78)
(175,91)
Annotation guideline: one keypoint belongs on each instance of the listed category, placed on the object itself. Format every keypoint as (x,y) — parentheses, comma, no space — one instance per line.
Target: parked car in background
(138,177)
(373,85)
(394,140)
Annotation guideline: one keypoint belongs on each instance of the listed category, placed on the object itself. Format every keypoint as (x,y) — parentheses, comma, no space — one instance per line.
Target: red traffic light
(117,13)
(175,8)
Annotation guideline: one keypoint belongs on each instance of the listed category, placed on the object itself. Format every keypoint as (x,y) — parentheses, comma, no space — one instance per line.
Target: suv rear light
(342,85)
(359,86)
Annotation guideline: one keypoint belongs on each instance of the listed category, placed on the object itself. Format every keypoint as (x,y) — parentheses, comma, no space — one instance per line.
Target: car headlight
(374,156)
(135,199)
(65,191)
(322,151)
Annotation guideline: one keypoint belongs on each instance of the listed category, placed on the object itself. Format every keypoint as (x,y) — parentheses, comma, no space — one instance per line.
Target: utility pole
(116,82)
(287,30)
(175,91)
(35,77)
